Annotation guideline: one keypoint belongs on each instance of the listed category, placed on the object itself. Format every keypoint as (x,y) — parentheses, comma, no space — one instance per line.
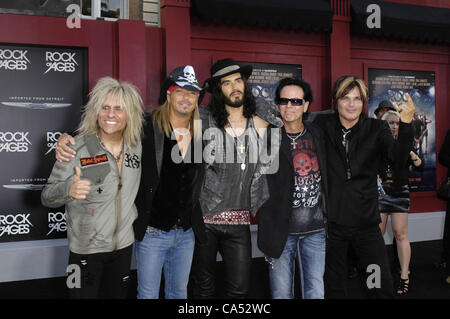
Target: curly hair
(217,104)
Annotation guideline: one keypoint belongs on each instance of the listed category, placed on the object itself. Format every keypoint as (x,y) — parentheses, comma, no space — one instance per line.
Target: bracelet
(415,160)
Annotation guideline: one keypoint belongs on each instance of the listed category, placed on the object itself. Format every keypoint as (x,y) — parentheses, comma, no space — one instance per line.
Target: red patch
(93,160)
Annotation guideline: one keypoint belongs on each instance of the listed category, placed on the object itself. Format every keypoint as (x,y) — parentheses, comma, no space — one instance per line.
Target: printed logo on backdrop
(14,60)
(56,222)
(60,61)
(52,139)
(43,89)
(12,142)
(15,224)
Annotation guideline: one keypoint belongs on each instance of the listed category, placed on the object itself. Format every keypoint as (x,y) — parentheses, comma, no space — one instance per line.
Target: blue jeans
(310,253)
(171,251)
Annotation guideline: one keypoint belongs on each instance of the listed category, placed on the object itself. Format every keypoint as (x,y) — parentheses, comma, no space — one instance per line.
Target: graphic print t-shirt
(307,217)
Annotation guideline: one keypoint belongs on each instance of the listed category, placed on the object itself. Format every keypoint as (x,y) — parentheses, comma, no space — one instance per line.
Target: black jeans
(103,275)
(234,244)
(371,254)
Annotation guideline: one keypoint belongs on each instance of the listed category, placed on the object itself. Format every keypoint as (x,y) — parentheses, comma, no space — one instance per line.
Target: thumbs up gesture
(80,187)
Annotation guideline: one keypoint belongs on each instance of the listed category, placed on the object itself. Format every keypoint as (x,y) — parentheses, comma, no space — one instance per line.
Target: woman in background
(395,201)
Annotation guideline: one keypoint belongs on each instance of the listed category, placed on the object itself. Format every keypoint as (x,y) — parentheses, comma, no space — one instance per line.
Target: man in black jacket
(355,147)
(291,223)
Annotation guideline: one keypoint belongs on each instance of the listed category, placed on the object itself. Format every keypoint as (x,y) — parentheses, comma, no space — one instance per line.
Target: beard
(236,103)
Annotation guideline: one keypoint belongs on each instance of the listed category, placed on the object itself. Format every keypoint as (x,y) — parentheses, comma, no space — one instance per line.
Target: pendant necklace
(295,138)
(239,149)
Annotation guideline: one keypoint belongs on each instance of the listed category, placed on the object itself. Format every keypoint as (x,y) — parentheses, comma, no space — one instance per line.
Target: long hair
(161,118)
(129,99)
(344,85)
(217,104)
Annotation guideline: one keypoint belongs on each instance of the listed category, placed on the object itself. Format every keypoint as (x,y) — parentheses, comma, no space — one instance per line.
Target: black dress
(394,192)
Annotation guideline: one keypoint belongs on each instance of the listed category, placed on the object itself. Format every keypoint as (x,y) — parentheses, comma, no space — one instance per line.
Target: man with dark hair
(233,190)
(291,223)
(356,146)
(383,107)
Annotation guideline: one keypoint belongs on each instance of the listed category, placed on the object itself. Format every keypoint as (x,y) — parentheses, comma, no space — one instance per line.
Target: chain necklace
(116,158)
(239,149)
(186,131)
(295,138)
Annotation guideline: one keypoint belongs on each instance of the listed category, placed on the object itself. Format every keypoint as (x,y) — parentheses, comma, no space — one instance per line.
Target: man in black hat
(232,190)
(169,187)
(383,107)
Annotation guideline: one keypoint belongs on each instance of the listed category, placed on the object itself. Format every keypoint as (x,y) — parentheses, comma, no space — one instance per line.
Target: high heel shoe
(403,287)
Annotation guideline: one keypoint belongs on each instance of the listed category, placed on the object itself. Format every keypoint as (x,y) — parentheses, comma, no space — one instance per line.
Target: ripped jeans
(310,254)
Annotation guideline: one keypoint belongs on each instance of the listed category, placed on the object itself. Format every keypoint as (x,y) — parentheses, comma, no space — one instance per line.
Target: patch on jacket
(93,160)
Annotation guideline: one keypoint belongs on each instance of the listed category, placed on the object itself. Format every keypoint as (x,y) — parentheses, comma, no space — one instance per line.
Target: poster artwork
(265,78)
(393,85)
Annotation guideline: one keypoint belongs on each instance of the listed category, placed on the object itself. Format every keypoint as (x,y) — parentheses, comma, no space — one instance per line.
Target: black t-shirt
(307,217)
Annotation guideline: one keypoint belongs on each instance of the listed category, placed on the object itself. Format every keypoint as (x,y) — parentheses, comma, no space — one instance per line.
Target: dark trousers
(103,275)
(234,244)
(370,251)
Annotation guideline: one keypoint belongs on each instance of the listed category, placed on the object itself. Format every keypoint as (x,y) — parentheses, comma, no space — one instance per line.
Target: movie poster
(265,78)
(391,86)
(42,92)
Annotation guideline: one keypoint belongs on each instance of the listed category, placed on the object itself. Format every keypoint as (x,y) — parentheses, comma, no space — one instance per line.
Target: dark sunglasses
(294,102)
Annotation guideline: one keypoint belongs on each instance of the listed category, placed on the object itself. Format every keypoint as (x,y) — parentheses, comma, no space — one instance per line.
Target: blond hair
(345,84)
(129,99)
(161,118)
(389,113)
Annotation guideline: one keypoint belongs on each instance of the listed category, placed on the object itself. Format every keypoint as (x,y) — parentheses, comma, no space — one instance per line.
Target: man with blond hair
(98,186)
(355,147)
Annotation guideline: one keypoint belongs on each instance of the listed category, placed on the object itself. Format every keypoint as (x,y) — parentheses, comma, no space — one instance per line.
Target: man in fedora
(167,219)
(383,107)
(233,190)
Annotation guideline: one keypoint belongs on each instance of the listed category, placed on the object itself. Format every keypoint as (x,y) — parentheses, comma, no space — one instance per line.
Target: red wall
(143,55)
(120,49)
(326,57)
(390,54)
(210,43)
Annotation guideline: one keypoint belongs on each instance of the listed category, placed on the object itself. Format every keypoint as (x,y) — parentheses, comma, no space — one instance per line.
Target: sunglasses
(294,102)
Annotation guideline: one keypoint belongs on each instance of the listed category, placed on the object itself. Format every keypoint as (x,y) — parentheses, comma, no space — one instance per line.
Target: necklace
(184,132)
(344,136)
(116,158)
(239,149)
(294,139)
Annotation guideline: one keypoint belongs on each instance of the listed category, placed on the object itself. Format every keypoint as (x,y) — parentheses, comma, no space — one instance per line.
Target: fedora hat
(385,104)
(184,77)
(224,68)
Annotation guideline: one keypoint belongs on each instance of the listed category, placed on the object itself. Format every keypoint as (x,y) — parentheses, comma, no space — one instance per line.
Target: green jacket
(103,222)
